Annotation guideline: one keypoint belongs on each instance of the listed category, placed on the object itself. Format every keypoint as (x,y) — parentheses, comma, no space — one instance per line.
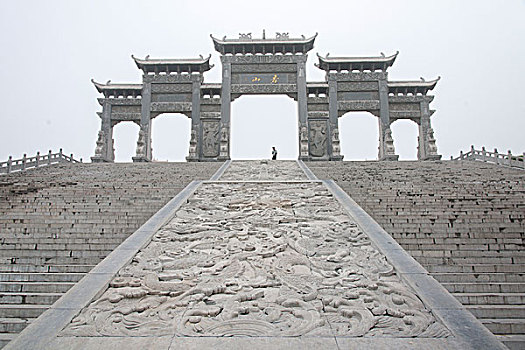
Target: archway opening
(404,133)
(170,137)
(259,123)
(125,135)
(359,135)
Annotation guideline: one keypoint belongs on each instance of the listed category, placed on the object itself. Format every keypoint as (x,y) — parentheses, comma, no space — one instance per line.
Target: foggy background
(49,51)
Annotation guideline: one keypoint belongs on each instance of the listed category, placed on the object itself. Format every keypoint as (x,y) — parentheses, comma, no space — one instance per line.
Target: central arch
(259,122)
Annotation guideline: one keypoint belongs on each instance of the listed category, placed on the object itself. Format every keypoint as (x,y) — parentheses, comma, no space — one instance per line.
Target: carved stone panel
(263,88)
(170,97)
(257,59)
(163,88)
(318,138)
(358,86)
(359,105)
(358,76)
(264,68)
(125,109)
(210,138)
(168,107)
(404,107)
(358,95)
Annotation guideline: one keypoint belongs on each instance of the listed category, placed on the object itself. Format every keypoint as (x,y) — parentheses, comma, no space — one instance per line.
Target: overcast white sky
(49,51)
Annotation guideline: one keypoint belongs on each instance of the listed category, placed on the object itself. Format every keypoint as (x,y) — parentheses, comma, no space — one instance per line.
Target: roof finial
(264,34)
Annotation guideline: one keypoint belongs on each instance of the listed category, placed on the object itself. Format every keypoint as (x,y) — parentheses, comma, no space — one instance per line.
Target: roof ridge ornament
(245,36)
(282,36)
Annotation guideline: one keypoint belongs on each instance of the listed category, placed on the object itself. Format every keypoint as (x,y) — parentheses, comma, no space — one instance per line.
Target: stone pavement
(266,259)
(463,221)
(58,222)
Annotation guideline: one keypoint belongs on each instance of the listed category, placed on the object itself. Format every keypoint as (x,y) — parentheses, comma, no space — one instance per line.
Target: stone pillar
(144,147)
(196,115)
(386,150)
(104,151)
(225,109)
(426,149)
(302,96)
(333,114)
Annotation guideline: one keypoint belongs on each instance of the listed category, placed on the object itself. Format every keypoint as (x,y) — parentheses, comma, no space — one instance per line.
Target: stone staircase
(58,222)
(463,221)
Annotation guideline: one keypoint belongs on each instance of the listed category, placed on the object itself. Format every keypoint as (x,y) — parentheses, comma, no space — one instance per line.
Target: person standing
(274,153)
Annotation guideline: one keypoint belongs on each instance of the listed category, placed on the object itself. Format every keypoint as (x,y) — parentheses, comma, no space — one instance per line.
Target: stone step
(497,311)
(41,277)
(54,261)
(29,298)
(14,268)
(466,277)
(476,268)
(479,287)
(513,341)
(36,287)
(490,298)
(22,310)
(505,325)
(14,325)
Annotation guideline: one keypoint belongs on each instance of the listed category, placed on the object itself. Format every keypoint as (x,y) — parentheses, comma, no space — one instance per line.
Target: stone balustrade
(38,160)
(507,159)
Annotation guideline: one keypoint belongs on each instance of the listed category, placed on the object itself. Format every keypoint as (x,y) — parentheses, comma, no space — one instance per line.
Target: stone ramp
(258,263)
(463,221)
(58,222)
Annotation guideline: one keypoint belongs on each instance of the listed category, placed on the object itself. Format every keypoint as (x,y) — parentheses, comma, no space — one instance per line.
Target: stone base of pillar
(304,158)
(337,158)
(223,158)
(390,157)
(433,157)
(98,159)
(140,160)
(192,159)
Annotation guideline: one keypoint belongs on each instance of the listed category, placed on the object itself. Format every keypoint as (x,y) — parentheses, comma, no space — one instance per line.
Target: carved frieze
(119,109)
(264,68)
(358,86)
(405,98)
(318,114)
(316,100)
(170,97)
(414,115)
(120,101)
(256,59)
(357,95)
(318,138)
(210,138)
(263,88)
(210,108)
(404,107)
(171,78)
(167,107)
(125,117)
(318,107)
(365,105)
(210,115)
(162,88)
(358,76)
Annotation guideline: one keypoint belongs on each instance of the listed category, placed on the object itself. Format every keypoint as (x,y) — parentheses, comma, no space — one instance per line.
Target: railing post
(451,157)
(496,155)
(9,164)
(37,162)
(523,160)
(60,155)
(509,155)
(80,160)
(24,162)
(483,154)
(49,158)
(461,155)
(71,157)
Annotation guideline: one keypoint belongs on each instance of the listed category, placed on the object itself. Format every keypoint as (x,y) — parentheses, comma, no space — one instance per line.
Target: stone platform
(260,256)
